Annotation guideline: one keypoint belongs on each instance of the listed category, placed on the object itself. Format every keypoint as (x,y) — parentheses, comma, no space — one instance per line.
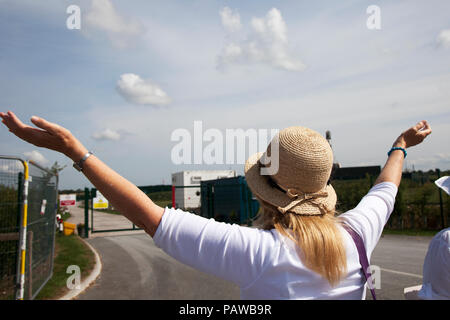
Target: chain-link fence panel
(42,207)
(11,189)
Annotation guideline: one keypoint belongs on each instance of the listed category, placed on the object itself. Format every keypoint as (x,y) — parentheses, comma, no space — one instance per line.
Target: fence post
(23,233)
(86,212)
(92,195)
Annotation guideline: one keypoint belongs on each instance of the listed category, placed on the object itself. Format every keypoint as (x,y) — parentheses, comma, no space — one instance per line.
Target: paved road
(401,260)
(134,268)
(102,221)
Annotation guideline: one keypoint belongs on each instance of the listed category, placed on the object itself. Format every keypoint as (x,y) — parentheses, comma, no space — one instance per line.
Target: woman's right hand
(413,135)
(50,135)
(123,194)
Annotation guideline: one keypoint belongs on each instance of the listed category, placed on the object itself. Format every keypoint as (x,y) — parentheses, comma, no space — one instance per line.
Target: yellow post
(23,240)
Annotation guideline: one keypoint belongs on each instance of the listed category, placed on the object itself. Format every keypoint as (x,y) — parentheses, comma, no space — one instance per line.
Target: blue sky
(319,67)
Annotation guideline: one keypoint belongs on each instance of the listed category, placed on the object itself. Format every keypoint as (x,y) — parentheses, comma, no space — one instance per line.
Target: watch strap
(79,165)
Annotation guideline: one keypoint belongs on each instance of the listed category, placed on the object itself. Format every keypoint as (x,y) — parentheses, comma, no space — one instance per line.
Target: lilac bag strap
(362,257)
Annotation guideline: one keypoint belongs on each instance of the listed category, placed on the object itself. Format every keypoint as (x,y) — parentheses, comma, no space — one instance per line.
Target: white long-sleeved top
(264,263)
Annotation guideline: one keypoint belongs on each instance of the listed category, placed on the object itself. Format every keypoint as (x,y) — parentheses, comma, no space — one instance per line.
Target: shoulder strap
(362,257)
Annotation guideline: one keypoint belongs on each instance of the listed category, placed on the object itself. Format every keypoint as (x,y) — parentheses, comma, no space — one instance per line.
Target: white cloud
(443,38)
(436,160)
(104,17)
(139,91)
(106,134)
(232,52)
(231,21)
(266,43)
(11,167)
(36,156)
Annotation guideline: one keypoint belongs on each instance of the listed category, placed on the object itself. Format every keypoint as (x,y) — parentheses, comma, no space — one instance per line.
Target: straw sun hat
(299,186)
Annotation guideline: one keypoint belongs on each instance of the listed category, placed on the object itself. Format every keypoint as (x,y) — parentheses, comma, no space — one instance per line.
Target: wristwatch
(79,165)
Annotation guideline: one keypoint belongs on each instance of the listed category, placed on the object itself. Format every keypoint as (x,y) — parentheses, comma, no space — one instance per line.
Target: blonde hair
(318,237)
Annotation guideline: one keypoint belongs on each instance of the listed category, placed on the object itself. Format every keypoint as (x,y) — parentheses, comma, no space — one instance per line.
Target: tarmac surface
(400,259)
(134,268)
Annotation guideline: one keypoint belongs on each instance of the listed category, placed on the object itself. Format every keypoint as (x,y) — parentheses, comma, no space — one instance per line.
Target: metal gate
(105,220)
(110,220)
(28,206)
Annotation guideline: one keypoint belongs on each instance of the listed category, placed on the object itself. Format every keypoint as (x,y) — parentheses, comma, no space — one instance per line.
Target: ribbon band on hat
(298,197)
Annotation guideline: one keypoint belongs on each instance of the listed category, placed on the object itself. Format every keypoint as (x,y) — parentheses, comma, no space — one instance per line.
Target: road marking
(402,273)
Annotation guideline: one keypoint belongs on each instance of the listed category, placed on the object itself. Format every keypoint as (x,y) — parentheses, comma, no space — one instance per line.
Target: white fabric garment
(444,184)
(436,268)
(264,263)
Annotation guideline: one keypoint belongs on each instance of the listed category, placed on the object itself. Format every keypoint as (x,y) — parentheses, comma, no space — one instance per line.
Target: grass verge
(69,250)
(66,215)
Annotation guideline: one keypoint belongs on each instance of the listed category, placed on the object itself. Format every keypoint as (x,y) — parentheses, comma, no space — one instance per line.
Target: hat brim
(262,188)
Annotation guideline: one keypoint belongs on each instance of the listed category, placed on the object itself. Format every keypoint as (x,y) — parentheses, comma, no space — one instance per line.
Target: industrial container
(228,200)
(187,185)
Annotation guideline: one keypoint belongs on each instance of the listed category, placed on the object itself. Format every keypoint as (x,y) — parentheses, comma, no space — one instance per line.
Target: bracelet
(79,165)
(397,148)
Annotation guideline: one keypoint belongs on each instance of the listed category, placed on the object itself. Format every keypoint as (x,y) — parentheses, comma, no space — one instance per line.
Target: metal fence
(28,199)
(419,203)
(111,220)
(11,190)
(42,207)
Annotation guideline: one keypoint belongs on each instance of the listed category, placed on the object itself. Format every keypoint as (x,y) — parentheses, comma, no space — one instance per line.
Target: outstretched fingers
(11,121)
(32,135)
(422,129)
(419,125)
(44,124)
(426,131)
(426,125)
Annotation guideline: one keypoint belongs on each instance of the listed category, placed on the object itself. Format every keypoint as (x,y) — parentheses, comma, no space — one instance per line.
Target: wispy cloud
(142,92)
(103,17)
(441,159)
(266,43)
(443,38)
(36,156)
(357,81)
(11,167)
(231,21)
(106,134)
